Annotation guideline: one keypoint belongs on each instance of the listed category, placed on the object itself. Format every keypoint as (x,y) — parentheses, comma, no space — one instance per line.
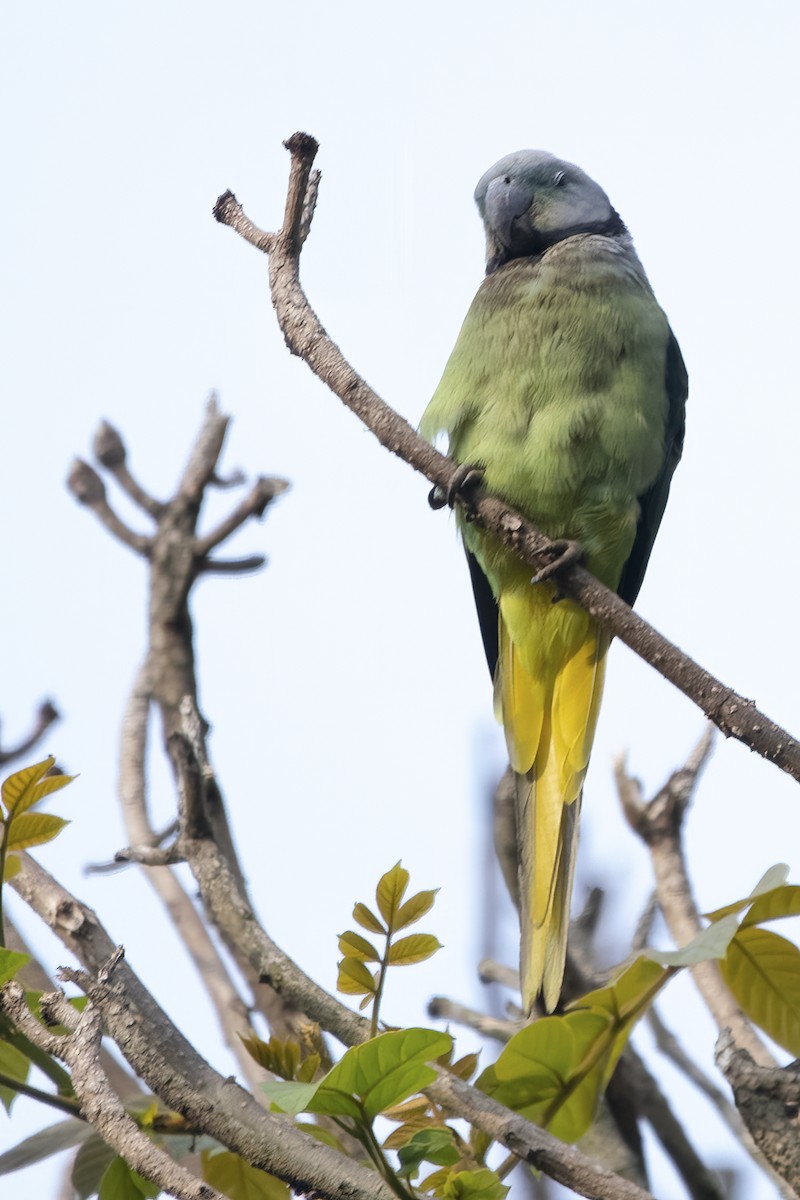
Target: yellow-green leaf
(775,877)
(33,829)
(550,1071)
(433,1145)
(354,945)
(230,1174)
(390,891)
(354,978)
(367,919)
(413,949)
(29,786)
(554,1071)
(11,961)
(308,1068)
(414,908)
(475,1185)
(321,1134)
(385,1070)
(121,1182)
(762,970)
(626,997)
(12,867)
(14,1065)
(17,788)
(711,942)
(280,1057)
(466,1067)
(780,902)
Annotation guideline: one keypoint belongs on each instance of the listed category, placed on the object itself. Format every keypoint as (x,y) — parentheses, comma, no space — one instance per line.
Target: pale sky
(346,684)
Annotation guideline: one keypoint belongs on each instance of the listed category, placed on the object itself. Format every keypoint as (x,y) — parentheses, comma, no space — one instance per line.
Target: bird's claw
(565,553)
(462,484)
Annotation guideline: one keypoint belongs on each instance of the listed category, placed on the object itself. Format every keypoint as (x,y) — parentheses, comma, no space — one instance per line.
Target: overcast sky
(346,684)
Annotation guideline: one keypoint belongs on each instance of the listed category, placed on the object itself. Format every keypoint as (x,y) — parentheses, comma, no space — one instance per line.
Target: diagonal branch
(305,336)
(100,1105)
(46,715)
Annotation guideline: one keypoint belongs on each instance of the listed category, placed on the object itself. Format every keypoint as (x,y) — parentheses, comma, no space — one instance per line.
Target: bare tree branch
(160,1055)
(100,1105)
(671,1048)
(46,715)
(305,336)
(177,555)
(109,449)
(89,490)
(760,1086)
(263,493)
(659,824)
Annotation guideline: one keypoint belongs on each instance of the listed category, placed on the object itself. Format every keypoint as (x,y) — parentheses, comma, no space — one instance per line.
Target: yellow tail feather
(548,690)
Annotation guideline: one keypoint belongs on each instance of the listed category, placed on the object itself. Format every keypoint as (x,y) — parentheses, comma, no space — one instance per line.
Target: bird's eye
(559,178)
(507,179)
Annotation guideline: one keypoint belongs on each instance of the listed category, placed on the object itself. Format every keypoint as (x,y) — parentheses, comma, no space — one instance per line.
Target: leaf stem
(67,1104)
(381,977)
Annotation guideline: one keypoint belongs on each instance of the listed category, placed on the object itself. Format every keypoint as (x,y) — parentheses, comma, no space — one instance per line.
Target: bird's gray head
(531,200)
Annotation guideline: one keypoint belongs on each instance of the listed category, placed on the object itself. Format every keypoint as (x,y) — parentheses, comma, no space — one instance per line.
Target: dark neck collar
(613,226)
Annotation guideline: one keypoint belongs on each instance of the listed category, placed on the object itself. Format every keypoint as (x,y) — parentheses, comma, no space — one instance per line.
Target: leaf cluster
(396,914)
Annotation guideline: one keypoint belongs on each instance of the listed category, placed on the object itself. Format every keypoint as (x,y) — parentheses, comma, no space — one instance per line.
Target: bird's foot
(461,489)
(565,553)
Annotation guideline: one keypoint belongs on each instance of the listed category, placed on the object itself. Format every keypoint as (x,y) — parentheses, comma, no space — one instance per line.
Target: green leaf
(780,902)
(230,1174)
(428,1145)
(413,949)
(482,1184)
(551,1072)
(368,1078)
(15,1065)
(292,1097)
(414,908)
(367,919)
(554,1071)
(387,1069)
(321,1134)
(39,1146)
(10,962)
(121,1182)
(354,978)
(775,877)
(353,945)
(712,942)
(308,1068)
(762,970)
(90,1165)
(390,891)
(466,1067)
(33,829)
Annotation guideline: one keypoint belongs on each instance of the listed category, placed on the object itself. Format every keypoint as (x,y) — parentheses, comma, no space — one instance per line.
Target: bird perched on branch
(566,389)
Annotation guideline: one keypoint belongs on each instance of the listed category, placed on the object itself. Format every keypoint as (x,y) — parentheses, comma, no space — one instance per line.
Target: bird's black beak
(506,201)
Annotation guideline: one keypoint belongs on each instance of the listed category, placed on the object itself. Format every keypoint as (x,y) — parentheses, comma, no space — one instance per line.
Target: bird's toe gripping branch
(461,489)
(565,553)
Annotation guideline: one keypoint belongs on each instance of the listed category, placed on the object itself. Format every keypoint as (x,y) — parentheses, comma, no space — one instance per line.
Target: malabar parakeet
(567,388)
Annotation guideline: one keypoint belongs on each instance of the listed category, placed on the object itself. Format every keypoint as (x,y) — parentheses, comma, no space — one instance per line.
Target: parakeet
(567,388)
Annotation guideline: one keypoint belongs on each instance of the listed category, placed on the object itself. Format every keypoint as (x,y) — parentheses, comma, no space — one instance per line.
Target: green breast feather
(556,388)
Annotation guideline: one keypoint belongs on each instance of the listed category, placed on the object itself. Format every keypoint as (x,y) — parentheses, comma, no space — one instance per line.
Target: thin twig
(46,714)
